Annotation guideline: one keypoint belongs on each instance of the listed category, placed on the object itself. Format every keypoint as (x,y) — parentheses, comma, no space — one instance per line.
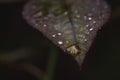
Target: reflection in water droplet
(54,35)
(91,29)
(60,42)
(44,25)
(89,18)
(59,34)
(94,21)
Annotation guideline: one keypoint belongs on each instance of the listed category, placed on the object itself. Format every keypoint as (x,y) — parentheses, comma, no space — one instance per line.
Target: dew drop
(91,29)
(78,16)
(85,39)
(89,18)
(65,13)
(44,25)
(54,35)
(94,22)
(59,34)
(87,25)
(60,42)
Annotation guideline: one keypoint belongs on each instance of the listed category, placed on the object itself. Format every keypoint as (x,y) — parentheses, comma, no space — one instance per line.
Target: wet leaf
(70,24)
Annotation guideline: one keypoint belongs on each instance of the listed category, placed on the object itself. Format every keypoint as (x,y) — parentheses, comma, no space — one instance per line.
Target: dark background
(101,63)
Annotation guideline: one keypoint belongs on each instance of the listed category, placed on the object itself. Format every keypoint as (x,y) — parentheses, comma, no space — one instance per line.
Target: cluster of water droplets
(86,19)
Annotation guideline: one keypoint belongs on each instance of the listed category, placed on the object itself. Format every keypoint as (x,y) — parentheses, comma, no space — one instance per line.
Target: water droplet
(60,42)
(54,35)
(94,21)
(91,29)
(78,16)
(44,25)
(89,18)
(87,25)
(65,13)
(59,34)
(85,39)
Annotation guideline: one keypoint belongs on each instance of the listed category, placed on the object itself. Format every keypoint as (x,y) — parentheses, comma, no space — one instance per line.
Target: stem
(51,64)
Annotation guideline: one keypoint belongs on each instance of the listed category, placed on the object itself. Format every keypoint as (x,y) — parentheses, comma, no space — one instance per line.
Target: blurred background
(25,54)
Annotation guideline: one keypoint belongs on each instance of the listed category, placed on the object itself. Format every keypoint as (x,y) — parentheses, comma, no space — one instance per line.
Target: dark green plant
(71,25)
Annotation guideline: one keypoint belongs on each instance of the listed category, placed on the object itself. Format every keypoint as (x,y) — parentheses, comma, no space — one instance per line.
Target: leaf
(70,24)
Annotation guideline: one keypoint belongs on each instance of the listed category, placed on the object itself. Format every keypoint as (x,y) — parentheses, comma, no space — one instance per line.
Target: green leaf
(69,24)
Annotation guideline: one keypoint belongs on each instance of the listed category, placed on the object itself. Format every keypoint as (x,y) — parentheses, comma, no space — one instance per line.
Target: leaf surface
(70,24)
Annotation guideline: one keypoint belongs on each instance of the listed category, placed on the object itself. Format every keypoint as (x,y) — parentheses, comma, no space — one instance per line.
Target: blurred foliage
(11,1)
(102,61)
